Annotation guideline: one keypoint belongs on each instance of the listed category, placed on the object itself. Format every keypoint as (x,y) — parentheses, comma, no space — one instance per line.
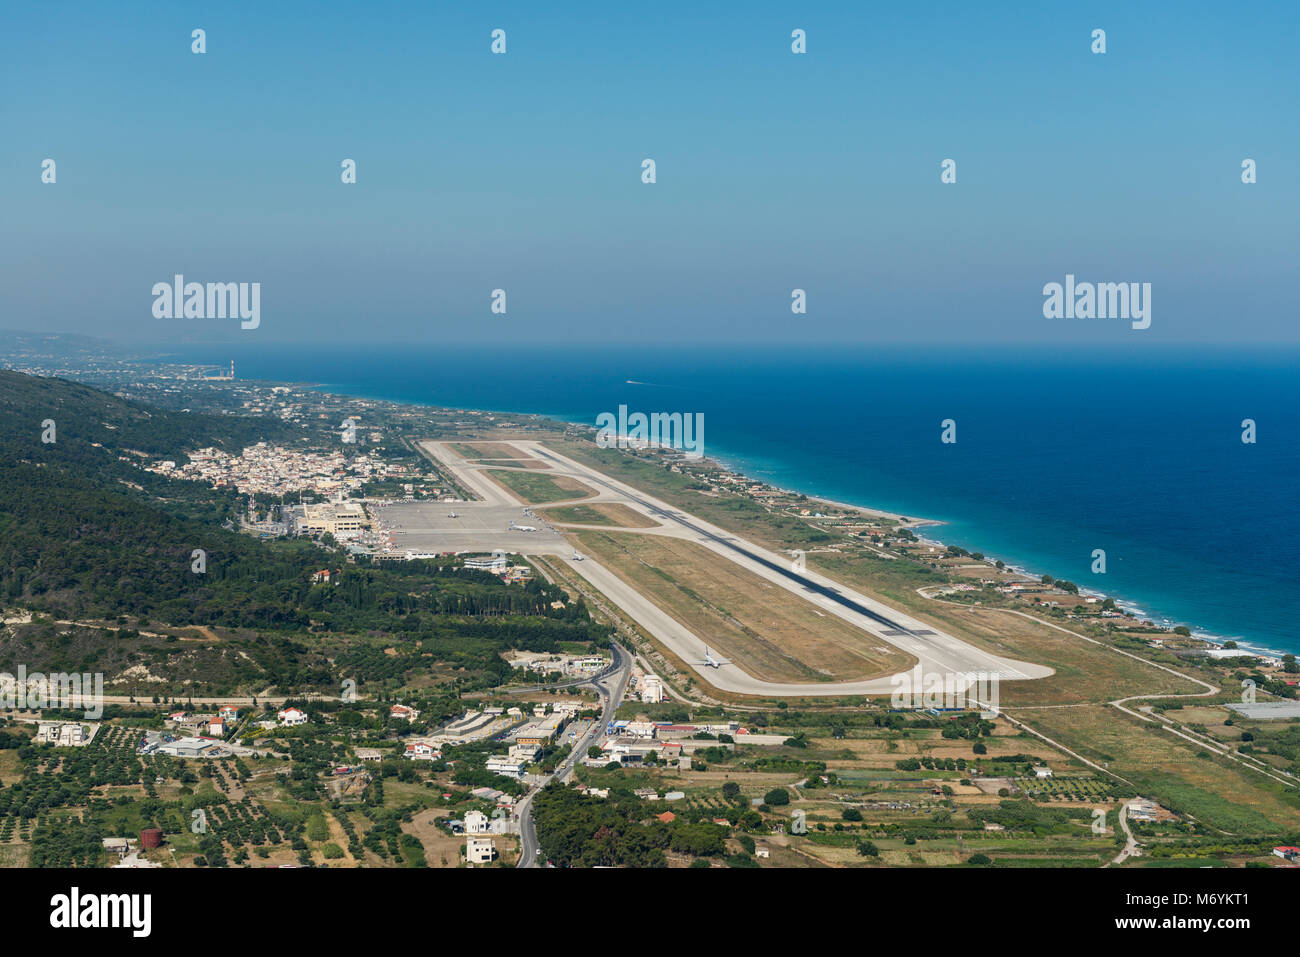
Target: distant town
(423,637)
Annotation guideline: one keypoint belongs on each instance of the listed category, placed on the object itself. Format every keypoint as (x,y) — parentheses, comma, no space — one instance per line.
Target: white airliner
(711,660)
(452,515)
(521,528)
(577,556)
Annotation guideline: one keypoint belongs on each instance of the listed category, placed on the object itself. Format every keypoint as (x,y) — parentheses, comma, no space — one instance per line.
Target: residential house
(421,751)
(480,850)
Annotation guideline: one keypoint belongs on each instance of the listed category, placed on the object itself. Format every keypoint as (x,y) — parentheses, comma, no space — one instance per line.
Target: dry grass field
(779,636)
(602,513)
(490,450)
(1219,793)
(540,489)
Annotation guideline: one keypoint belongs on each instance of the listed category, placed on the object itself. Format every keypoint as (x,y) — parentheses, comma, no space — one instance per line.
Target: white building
(291,717)
(497,565)
(480,850)
(510,767)
(652,689)
(587,666)
(333,518)
(526,753)
(404,712)
(421,751)
(640,729)
(192,748)
(61,734)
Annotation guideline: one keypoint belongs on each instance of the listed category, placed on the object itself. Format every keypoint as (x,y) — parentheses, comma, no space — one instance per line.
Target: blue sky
(775,171)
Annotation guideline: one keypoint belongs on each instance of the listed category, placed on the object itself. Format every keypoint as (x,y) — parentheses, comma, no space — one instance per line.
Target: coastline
(1135,606)
(907,521)
(1127,605)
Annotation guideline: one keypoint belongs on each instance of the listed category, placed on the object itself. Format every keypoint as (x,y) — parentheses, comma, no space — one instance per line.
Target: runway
(936,651)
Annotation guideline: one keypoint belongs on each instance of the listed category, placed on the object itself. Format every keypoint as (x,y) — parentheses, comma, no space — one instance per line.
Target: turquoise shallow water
(1056,454)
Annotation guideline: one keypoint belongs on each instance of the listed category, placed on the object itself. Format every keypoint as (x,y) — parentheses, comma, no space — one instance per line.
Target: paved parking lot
(478,526)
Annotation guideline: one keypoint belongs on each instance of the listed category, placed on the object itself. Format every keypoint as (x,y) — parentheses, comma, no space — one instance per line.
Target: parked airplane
(521,528)
(452,515)
(577,556)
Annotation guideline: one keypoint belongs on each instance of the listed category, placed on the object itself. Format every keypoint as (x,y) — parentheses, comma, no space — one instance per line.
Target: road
(611,685)
(1130,843)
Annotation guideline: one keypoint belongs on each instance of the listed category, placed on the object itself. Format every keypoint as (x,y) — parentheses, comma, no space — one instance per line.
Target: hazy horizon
(775,171)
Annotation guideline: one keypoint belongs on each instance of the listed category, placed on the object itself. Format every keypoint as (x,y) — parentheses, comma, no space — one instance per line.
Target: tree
(731,790)
(979,860)
(777,797)
(868,849)
(852,814)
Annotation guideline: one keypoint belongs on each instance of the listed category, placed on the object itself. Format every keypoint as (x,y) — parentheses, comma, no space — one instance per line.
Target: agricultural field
(284,805)
(871,788)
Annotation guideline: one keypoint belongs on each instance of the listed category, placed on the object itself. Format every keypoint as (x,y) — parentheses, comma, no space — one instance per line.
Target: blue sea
(1135,450)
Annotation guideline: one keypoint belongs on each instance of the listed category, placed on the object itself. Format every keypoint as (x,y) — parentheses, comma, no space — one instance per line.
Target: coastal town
(443,441)
(725,753)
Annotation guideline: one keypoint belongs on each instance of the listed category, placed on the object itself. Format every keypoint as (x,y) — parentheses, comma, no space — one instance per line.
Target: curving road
(611,684)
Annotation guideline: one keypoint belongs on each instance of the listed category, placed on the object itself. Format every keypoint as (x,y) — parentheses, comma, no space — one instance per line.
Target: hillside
(92,540)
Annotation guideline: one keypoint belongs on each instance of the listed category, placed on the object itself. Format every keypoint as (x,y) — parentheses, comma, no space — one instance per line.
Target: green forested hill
(86,417)
(86,535)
